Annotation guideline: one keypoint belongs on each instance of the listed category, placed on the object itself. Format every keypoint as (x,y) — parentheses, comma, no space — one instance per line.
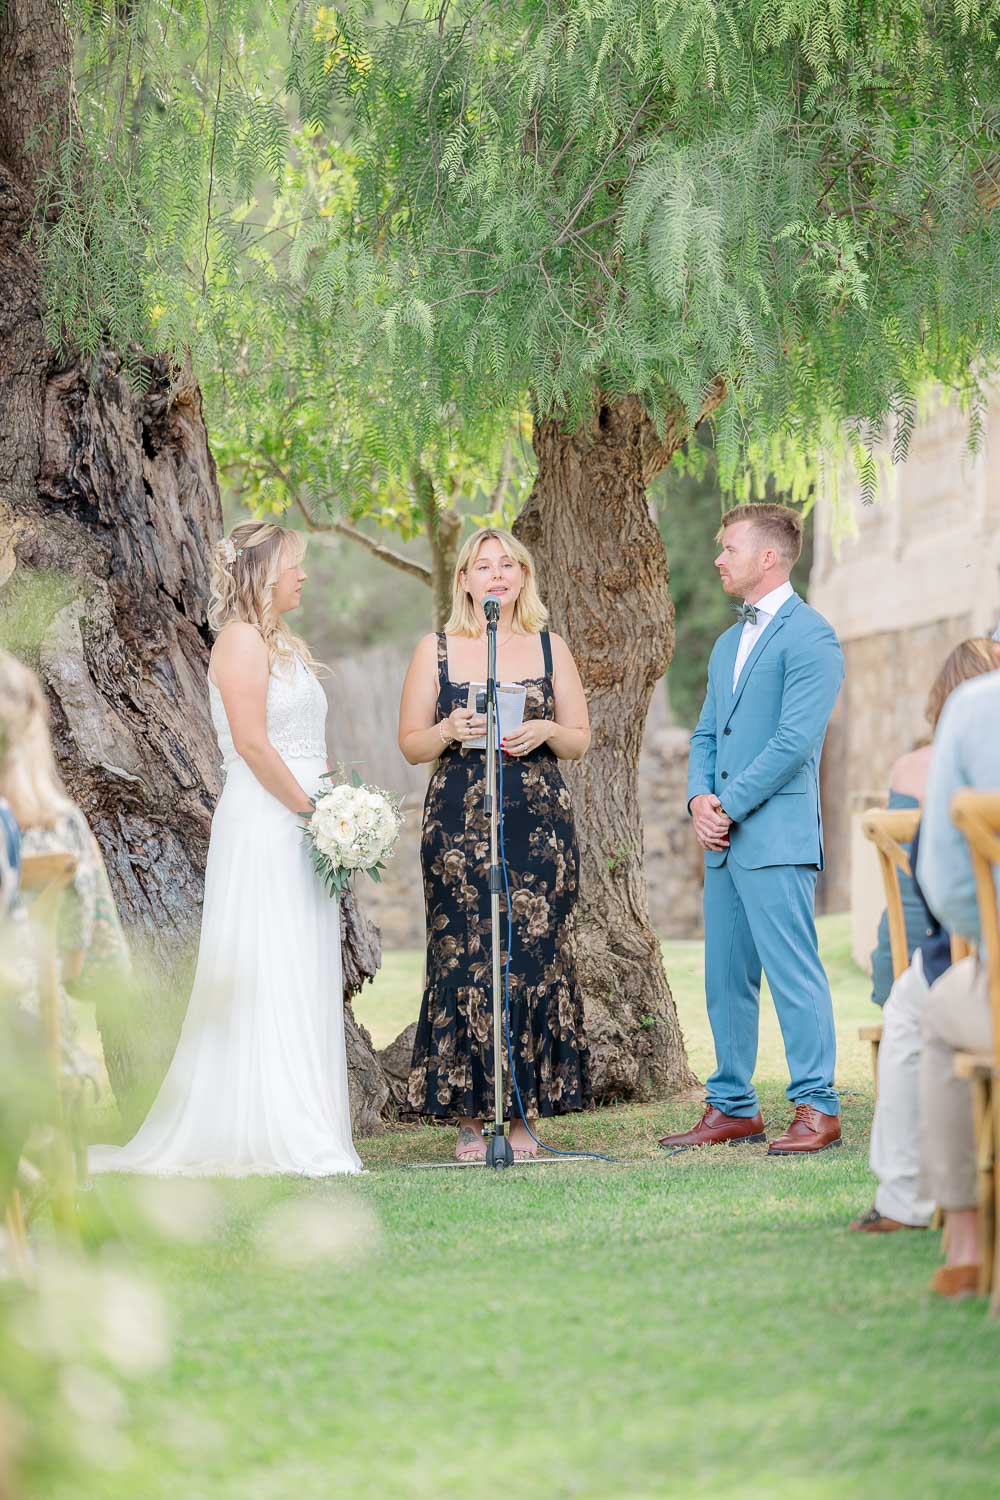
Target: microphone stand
(499,1152)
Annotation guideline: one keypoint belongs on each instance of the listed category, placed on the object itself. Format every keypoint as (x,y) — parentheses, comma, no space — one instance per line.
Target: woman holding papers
(452,1072)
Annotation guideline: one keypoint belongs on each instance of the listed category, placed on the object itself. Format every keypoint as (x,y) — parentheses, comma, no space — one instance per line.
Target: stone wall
(907,580)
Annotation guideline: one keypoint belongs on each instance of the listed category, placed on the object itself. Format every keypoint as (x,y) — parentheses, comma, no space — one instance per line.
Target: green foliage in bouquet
(352,827)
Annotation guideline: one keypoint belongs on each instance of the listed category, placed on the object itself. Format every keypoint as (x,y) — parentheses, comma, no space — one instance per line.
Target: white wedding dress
(258,1084)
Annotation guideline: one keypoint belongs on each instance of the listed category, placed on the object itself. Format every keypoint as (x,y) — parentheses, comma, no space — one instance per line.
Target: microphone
(491,609)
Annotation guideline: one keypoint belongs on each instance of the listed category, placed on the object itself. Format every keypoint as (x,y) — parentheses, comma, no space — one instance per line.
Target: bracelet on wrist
(445,738)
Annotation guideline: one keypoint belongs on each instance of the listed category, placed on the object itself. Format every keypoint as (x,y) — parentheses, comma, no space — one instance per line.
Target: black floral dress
(452,1070)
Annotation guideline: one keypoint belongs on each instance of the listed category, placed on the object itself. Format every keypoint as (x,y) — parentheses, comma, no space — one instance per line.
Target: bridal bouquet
(353,827)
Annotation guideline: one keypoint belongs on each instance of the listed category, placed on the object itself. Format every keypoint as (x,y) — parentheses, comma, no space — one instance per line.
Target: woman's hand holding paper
(463,725)
(530,734)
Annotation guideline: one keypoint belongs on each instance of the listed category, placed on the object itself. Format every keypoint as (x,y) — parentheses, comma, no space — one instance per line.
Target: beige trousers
(895,1145)
(956,1018)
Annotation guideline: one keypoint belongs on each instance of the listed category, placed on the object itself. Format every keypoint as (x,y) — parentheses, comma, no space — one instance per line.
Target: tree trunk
(443,526)
(603,573)
(109,508)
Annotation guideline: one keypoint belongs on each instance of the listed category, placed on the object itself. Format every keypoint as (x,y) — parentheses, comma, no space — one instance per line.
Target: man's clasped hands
(711,822)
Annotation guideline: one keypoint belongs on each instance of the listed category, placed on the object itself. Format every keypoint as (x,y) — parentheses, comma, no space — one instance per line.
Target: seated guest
(18,1080)
(907,784)
(10,857)
(92,945)
(956,1012)
(14,715)
(907,781)
(894,1156)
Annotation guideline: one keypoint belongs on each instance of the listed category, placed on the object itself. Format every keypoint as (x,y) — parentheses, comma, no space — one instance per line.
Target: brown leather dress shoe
(875,1223)
(955,1282)
(716,1129)
(810,1130)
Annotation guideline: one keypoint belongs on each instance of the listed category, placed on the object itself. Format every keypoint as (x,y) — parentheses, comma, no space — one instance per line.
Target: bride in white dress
(258,1084)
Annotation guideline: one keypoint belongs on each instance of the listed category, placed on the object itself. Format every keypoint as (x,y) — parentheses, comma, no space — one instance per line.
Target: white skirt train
(258,1083)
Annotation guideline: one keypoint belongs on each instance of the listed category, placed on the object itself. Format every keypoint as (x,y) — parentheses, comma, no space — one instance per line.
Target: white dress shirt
(766,609)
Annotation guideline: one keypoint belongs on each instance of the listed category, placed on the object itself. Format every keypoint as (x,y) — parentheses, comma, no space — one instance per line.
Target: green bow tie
(747,613)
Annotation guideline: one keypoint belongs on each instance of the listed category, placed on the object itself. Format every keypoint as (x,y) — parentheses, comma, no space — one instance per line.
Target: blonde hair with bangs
(245,567)
(530,614)
(29,778)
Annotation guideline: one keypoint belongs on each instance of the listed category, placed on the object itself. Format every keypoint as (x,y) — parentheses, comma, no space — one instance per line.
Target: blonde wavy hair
(245,568)
(530,614)
(28,776)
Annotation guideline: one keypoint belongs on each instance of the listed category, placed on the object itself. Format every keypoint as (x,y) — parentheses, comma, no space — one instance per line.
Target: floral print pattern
(452,1070)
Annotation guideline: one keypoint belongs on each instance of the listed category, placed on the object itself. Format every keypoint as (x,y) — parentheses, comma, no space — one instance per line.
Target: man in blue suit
(753,793)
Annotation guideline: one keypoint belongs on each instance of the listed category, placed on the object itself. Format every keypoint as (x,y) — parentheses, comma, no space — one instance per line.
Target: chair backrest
(889,829)
(977,816)
(48,875)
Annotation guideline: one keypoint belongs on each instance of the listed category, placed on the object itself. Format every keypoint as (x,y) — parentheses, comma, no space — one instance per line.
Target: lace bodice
(296,714)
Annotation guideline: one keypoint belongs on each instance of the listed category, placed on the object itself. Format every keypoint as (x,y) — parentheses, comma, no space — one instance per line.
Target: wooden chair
(977,816)
(48,875)
(889,829)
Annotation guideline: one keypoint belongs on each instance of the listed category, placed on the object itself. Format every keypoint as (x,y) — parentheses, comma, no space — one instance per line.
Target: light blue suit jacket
(758,748)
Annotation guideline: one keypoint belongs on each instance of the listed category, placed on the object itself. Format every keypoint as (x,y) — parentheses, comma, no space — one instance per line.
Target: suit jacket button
(727,730)
(725,775)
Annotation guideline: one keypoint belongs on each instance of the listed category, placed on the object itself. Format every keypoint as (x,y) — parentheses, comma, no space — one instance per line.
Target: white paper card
(510,709)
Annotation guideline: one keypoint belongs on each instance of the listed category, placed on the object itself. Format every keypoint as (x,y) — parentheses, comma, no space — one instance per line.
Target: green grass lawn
(687,1327)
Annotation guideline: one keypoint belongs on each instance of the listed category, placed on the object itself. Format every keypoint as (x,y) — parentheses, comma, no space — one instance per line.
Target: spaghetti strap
(442,650)
(547,653)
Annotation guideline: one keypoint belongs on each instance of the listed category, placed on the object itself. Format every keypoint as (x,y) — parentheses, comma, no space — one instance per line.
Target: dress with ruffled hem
(452,1069)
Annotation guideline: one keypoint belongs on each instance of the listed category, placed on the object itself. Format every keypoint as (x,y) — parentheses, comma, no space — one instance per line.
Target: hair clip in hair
(227,551)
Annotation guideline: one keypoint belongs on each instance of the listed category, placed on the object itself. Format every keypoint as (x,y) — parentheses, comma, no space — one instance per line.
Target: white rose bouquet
(353,827)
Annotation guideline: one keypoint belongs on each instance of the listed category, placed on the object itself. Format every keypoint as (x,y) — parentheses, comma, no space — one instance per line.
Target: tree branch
(500,488)
(384,554)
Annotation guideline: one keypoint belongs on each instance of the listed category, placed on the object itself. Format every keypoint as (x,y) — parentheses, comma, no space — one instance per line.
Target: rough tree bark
(109,508)
(443,526)
(603,573)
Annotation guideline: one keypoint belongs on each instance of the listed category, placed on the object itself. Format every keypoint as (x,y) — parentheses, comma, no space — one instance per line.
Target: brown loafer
(955,1282)
(716,1129)
(810,1130)
(875,1223)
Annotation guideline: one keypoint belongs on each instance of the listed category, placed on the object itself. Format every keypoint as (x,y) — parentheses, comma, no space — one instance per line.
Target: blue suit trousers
(765,918)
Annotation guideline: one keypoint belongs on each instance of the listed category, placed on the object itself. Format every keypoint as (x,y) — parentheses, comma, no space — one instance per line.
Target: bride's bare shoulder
(239,635)
(237,645)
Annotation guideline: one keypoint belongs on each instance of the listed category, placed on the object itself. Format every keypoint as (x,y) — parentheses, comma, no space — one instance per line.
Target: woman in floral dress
(452,1070)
